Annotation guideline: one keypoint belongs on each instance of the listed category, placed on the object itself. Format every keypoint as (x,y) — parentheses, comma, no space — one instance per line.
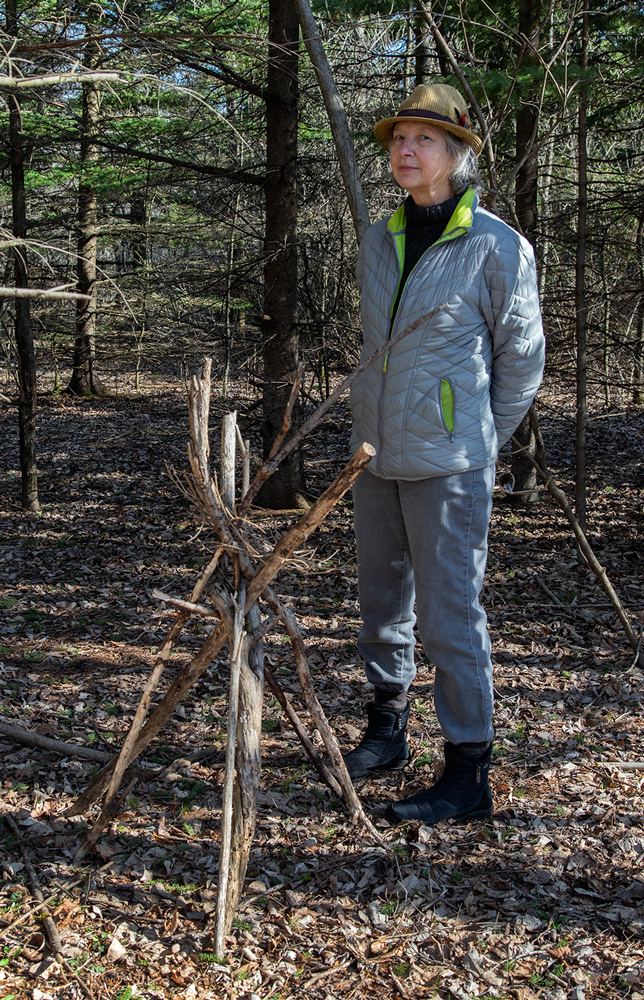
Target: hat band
(421,113)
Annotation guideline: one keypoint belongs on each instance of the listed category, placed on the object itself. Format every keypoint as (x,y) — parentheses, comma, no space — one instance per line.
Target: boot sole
(477,814)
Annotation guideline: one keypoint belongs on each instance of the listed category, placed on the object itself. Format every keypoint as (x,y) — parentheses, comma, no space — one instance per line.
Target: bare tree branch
(41,293)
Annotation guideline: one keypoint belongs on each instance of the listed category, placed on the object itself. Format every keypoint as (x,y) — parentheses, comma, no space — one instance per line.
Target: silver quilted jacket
(448,395)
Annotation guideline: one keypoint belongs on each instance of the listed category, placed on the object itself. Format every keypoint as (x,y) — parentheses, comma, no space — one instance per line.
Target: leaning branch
(442,44)
(356,810)
(296,722)
(41,293)
(198,168)
(337,118)
(296,536)
(584,547)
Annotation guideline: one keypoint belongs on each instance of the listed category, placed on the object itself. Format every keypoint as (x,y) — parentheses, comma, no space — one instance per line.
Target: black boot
(462,791)
(383,746)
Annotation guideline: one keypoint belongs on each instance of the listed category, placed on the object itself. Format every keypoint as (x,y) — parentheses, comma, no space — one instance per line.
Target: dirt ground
(543,900)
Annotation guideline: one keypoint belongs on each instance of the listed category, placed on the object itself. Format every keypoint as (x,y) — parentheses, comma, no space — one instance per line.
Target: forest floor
(543,900)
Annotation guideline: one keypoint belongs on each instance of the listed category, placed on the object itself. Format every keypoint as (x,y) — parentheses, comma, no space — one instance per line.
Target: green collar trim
(461,218)
(396,224)
(460,222)
(396,227)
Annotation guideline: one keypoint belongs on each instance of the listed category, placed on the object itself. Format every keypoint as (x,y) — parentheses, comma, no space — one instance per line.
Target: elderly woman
(447,396)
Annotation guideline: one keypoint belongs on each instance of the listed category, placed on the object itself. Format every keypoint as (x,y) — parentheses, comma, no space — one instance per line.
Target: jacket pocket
(446,406)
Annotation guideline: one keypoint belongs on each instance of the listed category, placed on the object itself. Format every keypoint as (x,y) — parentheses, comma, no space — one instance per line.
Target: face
(420,162)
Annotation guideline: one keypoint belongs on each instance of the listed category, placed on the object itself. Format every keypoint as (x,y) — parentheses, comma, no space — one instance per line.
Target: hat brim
(384,128)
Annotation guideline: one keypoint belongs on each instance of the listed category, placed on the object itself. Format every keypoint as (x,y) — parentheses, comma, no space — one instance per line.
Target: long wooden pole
(581,330)
(236,653)
(248,768)
(243,762)
(227,460)
(278,455)
(337,118)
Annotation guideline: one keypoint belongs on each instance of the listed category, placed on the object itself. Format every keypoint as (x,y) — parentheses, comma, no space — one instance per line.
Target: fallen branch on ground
(30,739)
(48,921)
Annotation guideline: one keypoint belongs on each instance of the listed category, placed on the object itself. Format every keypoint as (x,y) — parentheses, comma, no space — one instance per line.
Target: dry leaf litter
(545,900)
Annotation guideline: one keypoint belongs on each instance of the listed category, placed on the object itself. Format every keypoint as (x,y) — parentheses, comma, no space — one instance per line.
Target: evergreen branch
(233,175)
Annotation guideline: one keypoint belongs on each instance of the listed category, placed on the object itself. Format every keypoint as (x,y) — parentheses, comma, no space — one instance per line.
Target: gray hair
(465,172)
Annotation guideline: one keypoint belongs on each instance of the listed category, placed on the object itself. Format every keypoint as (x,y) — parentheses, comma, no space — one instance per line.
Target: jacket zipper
(383,376)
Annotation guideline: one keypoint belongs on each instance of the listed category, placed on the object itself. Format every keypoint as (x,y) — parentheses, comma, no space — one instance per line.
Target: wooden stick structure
(229,591)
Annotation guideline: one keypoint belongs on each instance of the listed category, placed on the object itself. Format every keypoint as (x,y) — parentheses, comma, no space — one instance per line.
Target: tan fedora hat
(437,104)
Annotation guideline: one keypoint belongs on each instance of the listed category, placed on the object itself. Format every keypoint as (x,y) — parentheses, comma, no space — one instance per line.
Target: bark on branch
(17,83)
(30,739)
(41,293)
(354,804)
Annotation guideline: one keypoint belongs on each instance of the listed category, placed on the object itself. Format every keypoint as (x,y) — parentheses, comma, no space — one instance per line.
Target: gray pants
(427,541)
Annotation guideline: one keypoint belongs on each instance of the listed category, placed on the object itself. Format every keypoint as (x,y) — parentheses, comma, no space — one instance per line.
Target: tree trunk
(84,381)
(526,206)
(22,326)
(138,221)
(140,269)
(638,360)
(279,323)
(606,294)
(580,297)
(228,327)
(525,476)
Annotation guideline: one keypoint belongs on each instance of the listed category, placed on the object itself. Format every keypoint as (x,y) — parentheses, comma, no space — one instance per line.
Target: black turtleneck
(424,225)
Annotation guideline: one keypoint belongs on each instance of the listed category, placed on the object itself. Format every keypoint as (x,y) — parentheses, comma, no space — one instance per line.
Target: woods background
(177,167)
(169,179)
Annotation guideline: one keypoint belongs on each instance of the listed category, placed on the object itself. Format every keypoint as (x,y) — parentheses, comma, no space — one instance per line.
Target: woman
(448,395)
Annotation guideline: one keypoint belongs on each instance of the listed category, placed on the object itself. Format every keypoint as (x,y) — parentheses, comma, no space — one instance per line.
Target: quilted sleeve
(517,333)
